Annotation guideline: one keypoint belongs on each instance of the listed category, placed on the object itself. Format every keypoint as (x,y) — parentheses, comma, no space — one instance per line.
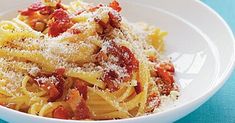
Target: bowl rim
(219,82)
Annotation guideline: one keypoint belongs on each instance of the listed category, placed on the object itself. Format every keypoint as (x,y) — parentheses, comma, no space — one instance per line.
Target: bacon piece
(42,9)
(73,98)
(168,67)
(60,6)
(126,60)
(36,6)
(109,79)
(82,111)
(8,105)
(94,8)
(32,8)
(165,75)
(2,104)
(47,10)
(78,105)
(61,113)
(166,82)
(74,31)
(101,56)
(53,92)
(138,88)
(114,19)
(113,22)
(60,71)
(153,101)
(115,5)
(59,23)
(54,88)
(82,88)
(152,58)
(80,12)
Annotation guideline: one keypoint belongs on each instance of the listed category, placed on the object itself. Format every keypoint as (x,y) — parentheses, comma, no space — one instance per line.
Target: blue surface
(221,107)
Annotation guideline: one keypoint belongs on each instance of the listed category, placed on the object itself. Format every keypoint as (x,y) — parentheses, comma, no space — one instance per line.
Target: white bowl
(204,56)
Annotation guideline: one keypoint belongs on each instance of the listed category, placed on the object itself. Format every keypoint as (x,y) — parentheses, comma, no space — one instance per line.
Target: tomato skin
(61,113)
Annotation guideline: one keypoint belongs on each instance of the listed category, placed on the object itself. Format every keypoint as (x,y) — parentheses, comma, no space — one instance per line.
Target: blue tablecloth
(221,107)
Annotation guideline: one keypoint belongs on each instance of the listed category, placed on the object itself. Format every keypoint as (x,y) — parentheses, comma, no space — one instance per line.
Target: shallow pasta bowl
(203,61)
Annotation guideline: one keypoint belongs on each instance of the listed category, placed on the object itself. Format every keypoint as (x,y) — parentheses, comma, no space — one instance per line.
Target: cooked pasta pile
(82,62)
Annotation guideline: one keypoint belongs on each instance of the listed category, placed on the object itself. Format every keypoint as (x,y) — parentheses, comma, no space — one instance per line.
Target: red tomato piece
(61,113)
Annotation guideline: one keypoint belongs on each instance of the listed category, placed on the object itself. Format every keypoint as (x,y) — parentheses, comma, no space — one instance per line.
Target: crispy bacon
(82,111)
(138,88)
(126,60)
(94,8)
(74,31)
(9,105)
(36,6)
(168,67)
(80,12)
(78,105)
(61,113)
(2,104)
(60,6)
(166,81)
(115,5)
(54,88)
(152,58)
(153,101)
(113,22)
(109,78)
(47,10)
(59,23)
(82,88)
(32,8)
(60,71)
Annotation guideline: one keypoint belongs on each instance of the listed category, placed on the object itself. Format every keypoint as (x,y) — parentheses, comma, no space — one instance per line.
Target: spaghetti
(81,62)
